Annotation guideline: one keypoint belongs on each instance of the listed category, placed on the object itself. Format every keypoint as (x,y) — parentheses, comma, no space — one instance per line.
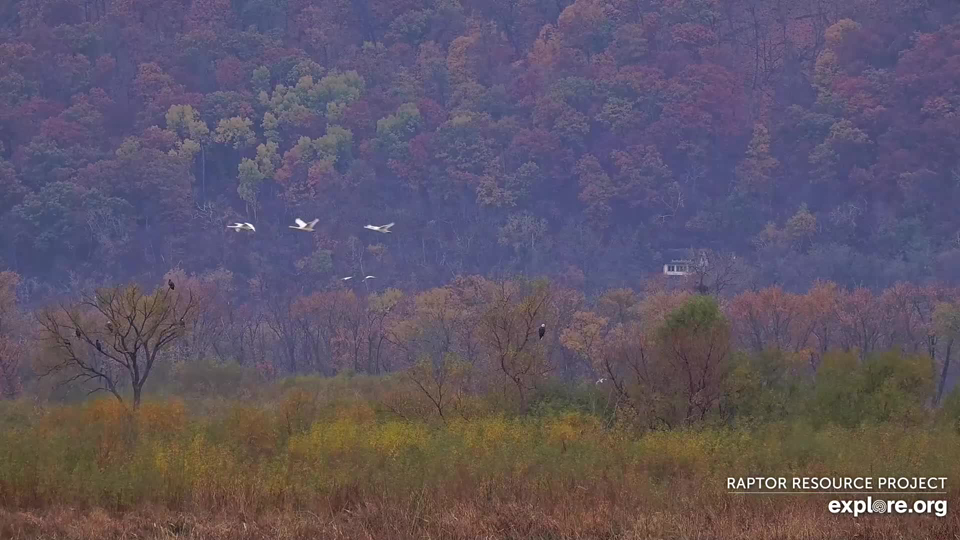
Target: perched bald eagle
(543,329)
(170,283)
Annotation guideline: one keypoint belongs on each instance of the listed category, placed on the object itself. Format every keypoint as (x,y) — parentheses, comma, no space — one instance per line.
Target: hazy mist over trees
(810,148)
(542,161)
(577,140)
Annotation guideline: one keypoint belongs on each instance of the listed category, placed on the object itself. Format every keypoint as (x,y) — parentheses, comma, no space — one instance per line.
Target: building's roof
(680,254)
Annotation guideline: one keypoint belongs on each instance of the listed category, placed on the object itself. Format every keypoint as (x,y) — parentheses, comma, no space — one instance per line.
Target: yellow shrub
(162,458)
(297,410)
(162,417)
(213,471)
(252,428)
(571,427)
(359,413)
(327,439)
(669,454)
(110,424)
(106,411)
(394,438)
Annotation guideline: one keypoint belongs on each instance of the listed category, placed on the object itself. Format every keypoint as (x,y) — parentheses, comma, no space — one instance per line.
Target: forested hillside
(572,139)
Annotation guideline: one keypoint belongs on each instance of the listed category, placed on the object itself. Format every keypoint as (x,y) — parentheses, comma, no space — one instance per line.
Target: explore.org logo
(773,485)
(879,506)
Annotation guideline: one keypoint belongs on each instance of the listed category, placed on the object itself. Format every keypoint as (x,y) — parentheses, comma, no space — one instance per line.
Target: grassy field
(326,459)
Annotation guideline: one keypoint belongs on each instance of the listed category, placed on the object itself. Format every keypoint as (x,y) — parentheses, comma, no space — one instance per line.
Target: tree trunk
(943,373)
(292,358)
(203,171)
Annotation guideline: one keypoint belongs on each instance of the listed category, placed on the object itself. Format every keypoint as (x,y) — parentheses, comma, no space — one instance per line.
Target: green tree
(767,386)
(801,228)
(694,345)
(195,135)
(836,394)
(236,131)
(897,387)
(396,130)
(248,184)
(755,169)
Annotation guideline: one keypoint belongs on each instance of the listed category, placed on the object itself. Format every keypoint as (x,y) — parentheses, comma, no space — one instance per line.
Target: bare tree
(946,319)
(276,301)
(135,327)
(630,365)
(509,328)
(208,325)
(11,350)
(319,318)
(11,338)
(379,310)
(442,382)
(715,272)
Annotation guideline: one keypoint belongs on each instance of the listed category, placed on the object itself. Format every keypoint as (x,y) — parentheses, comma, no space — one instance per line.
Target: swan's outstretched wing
(312,223)
(300,223)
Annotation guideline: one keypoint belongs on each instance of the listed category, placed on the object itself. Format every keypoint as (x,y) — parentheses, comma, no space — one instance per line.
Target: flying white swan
(242,227)
(369,277)
(379,228)
(304,226)
(346,278)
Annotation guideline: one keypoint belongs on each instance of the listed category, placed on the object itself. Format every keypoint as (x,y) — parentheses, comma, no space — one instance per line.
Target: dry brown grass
(89,472)
(729,517)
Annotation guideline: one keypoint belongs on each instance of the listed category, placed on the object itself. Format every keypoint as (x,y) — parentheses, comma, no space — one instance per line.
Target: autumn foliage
(667,355)
(814,140)
(449,397)
(810,146)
